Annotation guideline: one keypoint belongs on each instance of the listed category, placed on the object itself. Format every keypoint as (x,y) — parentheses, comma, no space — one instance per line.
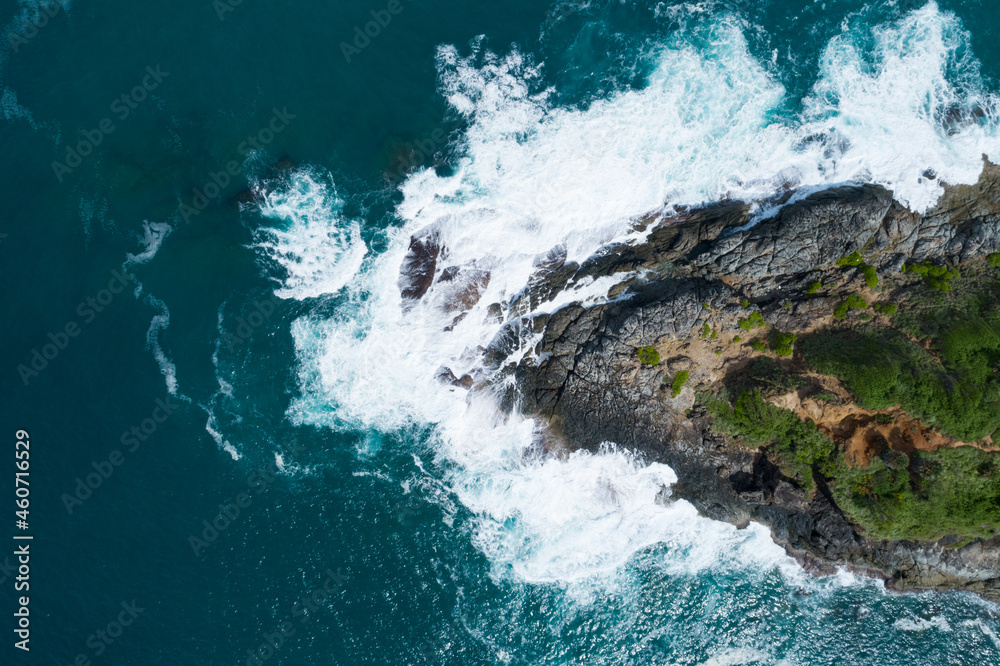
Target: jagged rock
(462,287)
(552,272)
(447,376)
(671,239)
(791,243)
(416,275)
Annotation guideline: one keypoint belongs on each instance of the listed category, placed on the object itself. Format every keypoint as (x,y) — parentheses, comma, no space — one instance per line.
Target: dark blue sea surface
(239,449)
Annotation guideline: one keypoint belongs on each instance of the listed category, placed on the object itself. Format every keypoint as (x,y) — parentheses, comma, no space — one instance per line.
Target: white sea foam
(157,325)
(914,102)
(739,657)
(989,633)
(923,624)
(533,177)
(153,235)
(317,249)
(222,394)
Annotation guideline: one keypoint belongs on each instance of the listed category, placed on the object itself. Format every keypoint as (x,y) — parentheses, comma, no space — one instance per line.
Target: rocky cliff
(643,369)
(700,275)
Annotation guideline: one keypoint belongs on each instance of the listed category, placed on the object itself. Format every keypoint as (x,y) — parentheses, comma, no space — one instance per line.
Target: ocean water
(365,513)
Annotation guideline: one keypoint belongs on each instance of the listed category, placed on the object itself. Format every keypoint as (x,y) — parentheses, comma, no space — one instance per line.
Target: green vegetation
(799,447)
(814,287)
(715,334)
(853,302)
(783,343)
(936,277)
(679,381)
(882,368)
(706,306)
(737,339)
(787,305)
(853,259)
(871,277)
(923,496)
(937,359)
(648,355)
(745,303)
(755,320)
(888,309)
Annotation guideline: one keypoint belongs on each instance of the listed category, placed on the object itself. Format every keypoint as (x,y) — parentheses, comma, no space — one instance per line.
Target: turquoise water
(273,333)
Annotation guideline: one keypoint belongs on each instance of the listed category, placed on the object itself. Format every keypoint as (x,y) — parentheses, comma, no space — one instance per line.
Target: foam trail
(739,657)
(535,177)
(989,633)
(318,250)
(223,393)
(923,624)
(153,235)
(158,324)
(211,427)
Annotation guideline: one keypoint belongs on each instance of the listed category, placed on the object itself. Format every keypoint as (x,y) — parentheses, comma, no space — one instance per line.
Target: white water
(157,325)
(153,235)
(223,393)
(535,176)
(316,256)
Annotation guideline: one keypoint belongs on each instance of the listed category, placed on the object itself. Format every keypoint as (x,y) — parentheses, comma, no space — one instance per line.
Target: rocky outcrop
(585,382)
(416,275)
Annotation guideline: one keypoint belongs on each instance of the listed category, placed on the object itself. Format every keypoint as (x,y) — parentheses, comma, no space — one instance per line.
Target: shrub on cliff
(853,259)
(871,277)
(853,302)
(888,309)
(994,259)
(949,491)
(678,384)
(936,277)
(799,446)
(648,355)
(755,320)
(973,347)
(783,342)
(765,375)
(924,496)
(882,368)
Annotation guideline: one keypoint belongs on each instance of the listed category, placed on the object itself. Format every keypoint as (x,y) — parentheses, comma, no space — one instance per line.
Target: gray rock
(584,381)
